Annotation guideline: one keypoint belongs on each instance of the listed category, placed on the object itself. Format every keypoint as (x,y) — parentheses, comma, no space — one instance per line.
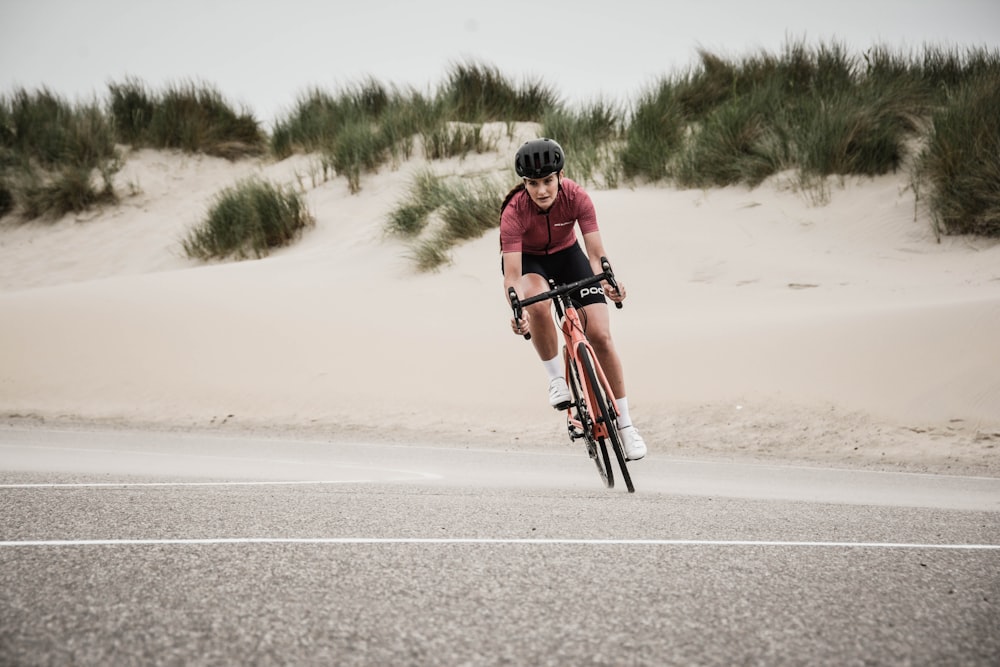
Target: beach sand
(824,327)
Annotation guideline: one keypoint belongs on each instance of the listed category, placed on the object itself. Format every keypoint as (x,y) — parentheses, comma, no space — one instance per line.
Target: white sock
(555,367)
(624,420)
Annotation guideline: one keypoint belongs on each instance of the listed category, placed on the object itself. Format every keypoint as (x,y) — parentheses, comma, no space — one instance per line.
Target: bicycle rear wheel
(605,413)
(598,451)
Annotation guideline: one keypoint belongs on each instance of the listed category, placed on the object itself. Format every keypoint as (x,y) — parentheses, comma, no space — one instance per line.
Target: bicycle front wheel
(607,415)
(597,450)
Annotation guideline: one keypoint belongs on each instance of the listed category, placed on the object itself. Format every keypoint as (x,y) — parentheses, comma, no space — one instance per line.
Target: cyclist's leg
(533,280)
(546,341)
(598,323)
(544,336)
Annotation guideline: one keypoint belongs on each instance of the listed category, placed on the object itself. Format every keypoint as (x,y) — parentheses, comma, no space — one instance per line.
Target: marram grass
(442,212)
(248,220)
(818,110)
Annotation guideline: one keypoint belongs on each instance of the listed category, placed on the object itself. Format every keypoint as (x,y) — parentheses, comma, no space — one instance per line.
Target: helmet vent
(538,158)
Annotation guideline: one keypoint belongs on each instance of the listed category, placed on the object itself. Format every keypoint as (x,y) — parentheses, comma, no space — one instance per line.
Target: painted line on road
(488,541)
(401,476)
(104,485)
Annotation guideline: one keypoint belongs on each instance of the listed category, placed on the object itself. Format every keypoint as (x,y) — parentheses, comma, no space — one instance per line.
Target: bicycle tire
(597,450)
(605,411)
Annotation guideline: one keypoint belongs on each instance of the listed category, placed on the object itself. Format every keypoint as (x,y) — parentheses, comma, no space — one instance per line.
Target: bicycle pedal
(565,405)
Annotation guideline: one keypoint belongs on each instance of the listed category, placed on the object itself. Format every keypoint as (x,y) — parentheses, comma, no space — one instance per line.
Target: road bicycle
(592,414)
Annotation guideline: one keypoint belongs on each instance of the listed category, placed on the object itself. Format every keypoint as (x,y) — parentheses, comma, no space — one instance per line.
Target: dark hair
(510,195)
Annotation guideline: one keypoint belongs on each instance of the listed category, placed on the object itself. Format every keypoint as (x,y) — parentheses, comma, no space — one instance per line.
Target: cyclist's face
(543,190)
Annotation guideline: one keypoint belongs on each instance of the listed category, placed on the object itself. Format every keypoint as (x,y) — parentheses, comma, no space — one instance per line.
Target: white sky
(263,54)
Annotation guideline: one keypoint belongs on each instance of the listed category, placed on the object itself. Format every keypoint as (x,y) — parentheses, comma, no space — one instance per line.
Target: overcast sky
(263,54)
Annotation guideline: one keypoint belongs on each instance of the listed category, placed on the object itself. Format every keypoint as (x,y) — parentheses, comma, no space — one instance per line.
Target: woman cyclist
(538,241)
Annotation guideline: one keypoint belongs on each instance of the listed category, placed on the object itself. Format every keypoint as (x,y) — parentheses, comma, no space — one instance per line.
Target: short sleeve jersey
(524,228)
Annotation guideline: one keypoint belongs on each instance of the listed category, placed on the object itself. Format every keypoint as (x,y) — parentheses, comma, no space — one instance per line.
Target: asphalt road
(136,548)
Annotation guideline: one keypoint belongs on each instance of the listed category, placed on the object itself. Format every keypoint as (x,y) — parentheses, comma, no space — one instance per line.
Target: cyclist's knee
(600,337)
(532,284)
(538,311)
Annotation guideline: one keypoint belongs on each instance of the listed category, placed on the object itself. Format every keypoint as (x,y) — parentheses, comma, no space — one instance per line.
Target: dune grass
(6,198)
(961,162)
(427,193)
(591,136)
(249,220)
(320,117)
(739,121)
(357,130)
(195,118)
(364,126)
(653,135)
(56,157)
(456,140)
(440,213)
(818,111)
(478,93)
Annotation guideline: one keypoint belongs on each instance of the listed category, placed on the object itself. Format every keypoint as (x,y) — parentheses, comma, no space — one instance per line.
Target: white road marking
(118,485)
(173,456)
(493,541)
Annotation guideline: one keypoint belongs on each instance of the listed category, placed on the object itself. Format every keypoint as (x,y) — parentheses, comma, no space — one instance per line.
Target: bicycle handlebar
(556,292)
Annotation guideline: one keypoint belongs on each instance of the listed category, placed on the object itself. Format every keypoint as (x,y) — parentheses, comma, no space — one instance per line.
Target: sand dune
(759,322)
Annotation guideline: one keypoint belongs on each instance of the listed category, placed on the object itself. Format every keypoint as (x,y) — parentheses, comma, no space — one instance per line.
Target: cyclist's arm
(595,251)
(512,268)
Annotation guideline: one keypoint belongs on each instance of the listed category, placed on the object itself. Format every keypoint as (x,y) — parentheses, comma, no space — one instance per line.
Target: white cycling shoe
(559,396)
(632,443)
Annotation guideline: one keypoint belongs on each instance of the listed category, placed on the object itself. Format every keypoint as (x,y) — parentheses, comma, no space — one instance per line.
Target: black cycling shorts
(566,266)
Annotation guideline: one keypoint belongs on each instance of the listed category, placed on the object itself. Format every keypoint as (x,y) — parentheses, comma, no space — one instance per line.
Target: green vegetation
(820,111)
(427,194)
(357,131)
(368,125)
(961,162)
(51,154)
(192,118)
(249,220)
(440,213)
(813,112)
(593,132)
(477,94)
(58,157)
(455,139)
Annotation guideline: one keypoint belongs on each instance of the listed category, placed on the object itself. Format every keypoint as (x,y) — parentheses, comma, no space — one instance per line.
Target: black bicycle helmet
(538,158)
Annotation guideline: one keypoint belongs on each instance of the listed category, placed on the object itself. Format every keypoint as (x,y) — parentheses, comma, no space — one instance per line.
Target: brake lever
(610,275)
(515,304)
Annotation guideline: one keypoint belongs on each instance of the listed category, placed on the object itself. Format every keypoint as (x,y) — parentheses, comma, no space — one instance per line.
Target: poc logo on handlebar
(587,291)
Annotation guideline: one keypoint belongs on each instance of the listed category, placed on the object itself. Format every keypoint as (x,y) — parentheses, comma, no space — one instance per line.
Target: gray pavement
(140,548)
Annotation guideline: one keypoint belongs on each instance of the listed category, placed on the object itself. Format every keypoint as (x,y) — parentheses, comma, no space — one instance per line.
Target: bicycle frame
(573,333)
(601,422)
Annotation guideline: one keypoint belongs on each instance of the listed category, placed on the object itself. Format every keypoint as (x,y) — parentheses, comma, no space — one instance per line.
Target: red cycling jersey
(524,228)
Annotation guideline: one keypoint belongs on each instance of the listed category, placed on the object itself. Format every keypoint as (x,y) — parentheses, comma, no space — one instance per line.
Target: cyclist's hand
(616,295)
(522,326)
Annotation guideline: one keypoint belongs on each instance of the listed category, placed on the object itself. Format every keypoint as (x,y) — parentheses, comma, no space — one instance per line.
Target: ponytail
(506,200)
(510,195)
